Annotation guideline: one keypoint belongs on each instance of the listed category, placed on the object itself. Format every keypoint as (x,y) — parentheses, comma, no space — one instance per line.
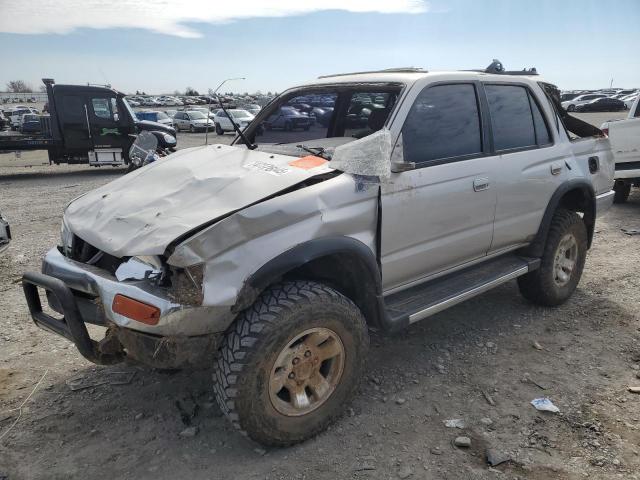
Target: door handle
(480,184)
(556,168)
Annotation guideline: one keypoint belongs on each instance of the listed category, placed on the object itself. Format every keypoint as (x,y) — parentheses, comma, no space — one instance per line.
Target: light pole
(206,134)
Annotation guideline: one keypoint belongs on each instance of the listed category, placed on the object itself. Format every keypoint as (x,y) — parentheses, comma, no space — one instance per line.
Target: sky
(161,46)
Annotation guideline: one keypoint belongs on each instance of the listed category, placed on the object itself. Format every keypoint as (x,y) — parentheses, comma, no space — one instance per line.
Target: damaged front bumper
(84,294)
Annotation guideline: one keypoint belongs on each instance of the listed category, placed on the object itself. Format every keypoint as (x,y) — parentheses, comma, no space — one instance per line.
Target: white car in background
(242,118)
(192,120)
(624,137)
(253,109)
(570,105)
(5,234)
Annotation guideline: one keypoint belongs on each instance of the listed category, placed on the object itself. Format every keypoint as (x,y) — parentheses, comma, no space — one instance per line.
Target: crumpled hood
(144,211)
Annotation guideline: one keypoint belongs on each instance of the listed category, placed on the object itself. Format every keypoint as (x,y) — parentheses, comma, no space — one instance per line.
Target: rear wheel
(561,264)
(621,192)
(571,108)
(291,362)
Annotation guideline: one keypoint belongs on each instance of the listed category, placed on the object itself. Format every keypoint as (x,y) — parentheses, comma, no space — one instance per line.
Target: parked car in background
(191,120)
(605,104)
(322,115)
(5,233)
(242,118)
(624,136)
(16,113)
(287,118)
(155,116)
(570,105)
(253,109)
(204,110)
(629,99)
(30,123)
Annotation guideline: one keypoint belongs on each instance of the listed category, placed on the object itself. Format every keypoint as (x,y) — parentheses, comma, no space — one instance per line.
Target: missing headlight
(186,285)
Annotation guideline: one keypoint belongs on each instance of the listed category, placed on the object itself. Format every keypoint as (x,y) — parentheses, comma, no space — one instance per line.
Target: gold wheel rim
(565,260)
(306,372)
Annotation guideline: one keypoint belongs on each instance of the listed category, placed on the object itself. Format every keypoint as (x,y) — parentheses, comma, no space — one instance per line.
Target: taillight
(605,131)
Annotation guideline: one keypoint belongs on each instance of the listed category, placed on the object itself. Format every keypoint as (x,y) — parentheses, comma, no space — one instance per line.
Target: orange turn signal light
(135,310)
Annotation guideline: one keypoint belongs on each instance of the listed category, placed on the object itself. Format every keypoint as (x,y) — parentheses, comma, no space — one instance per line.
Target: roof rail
(386,70)
(497,67)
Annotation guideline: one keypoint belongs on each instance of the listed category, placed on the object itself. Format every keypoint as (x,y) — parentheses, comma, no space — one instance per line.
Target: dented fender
(233,249)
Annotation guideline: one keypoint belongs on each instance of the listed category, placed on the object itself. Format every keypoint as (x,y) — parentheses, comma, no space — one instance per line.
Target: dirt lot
(481,362)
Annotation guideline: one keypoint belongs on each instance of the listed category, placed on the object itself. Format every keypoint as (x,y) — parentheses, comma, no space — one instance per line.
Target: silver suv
(270,258)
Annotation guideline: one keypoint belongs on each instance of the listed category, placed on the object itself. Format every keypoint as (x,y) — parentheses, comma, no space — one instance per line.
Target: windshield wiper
(246,141)
(317,151)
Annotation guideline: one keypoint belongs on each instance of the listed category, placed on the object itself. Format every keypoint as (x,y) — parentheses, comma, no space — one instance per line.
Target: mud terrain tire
(552,284)
(276,326)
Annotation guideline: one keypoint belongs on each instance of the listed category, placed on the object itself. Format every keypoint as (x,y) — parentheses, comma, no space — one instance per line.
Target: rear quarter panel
(600,147)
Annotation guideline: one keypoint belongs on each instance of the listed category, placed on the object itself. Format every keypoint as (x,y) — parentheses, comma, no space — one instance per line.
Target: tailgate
(624,136)
(596,152)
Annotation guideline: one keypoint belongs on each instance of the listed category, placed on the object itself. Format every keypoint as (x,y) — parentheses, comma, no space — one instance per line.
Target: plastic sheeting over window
(369,156)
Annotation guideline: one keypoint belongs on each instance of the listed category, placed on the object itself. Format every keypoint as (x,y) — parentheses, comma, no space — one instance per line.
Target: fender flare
(536,248)
(370,300)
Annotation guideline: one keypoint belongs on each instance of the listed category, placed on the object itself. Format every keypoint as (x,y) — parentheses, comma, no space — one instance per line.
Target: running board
(424,300)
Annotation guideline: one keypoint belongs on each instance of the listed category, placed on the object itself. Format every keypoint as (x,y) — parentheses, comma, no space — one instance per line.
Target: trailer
(87,124)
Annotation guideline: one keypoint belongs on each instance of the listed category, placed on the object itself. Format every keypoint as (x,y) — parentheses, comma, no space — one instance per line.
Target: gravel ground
(481,362)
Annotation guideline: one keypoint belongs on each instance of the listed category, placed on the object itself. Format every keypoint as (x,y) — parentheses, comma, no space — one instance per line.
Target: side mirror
(397,158)
(397,167)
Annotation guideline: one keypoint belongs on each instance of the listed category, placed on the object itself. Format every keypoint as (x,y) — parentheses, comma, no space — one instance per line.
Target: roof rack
(497,67)
(386,70)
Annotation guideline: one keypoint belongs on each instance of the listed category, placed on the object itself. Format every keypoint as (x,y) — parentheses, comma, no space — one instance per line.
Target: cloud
(170,17)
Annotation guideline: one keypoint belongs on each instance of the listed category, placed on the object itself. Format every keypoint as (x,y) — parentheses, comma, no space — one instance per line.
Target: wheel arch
(344,263)
(576,195)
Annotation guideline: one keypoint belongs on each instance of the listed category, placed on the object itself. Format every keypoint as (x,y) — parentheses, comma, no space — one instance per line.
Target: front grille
(84,252)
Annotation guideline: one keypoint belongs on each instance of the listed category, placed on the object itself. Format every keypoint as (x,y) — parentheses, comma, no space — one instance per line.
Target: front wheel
(561,264)
(219,129)
(291,362)
(192,129)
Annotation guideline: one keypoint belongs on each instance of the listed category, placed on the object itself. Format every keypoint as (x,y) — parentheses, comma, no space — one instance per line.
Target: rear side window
(511,117)
(543,137)
(444,122)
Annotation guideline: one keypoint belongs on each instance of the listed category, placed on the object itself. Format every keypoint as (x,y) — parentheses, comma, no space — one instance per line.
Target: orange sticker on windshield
(308,162)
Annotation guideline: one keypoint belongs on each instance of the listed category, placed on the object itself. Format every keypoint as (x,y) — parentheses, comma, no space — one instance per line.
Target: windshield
(162,116)
(322,119)
(129,109)
(196,115)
